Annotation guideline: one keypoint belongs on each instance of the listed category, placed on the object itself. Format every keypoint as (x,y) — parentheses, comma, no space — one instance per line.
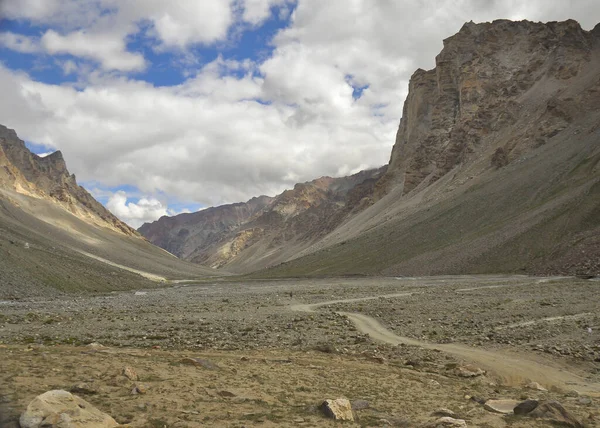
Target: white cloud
(257,11)
(135,214)
(108,49)
(19,43)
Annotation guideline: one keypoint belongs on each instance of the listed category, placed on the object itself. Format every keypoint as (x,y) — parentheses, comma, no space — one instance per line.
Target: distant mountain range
(496,168)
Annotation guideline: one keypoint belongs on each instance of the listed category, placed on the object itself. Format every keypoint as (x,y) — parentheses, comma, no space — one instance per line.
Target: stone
(339,409)
(469,371)
(199,362)
(525,407)
(572,393)
(536,386)
(448,421)
(130,373)
(554,412)
(61,409)
(584,400)
(139,388)
(504,407)
(224,393)
(443,412)
(96,345)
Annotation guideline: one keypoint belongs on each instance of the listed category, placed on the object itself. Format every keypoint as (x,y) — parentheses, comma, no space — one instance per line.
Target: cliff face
(48,178)
(496,86)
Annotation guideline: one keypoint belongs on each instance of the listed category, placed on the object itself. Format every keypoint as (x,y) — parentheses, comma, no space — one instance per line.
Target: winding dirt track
(511,368)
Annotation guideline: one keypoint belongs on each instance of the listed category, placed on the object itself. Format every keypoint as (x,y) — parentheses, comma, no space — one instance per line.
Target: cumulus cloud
(108,49)
(135,214)
(257,11)
(326,101)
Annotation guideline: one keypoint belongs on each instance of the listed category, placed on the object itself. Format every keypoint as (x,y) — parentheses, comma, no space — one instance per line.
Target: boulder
(554,412)
(339,409)
(61,409)
(525,407)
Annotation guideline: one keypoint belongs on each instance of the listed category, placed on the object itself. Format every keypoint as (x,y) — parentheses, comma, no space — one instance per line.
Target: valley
(282,345)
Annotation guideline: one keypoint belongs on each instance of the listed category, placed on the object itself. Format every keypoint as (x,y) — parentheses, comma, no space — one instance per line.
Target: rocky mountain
(183,234)
(48,178)
(264,230)
(55,237)
(495,168)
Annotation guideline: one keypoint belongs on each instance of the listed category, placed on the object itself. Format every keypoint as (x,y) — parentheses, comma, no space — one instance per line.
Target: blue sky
(166,107)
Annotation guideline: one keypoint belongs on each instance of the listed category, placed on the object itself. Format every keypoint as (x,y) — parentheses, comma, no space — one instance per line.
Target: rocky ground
(267,353)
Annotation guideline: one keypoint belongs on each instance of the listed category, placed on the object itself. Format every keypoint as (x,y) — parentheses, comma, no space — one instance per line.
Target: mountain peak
(48,178)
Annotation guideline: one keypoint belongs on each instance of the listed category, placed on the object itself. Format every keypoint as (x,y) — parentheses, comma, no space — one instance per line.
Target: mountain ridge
(48,177)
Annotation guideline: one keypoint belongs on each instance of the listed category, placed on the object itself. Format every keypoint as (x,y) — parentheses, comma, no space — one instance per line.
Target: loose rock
(525,407)
(443,412)
(339,409)
(504,407)
(536,386)
(62,409)
(447,421)
(554,412)
(130,373)
(469,371)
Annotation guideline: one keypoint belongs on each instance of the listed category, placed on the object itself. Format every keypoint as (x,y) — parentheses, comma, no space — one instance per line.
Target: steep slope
(48,178)
(263,231)
(496,166)
(54,236)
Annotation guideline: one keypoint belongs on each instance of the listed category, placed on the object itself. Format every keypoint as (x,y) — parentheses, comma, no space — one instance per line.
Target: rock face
(62,409)
(235,236)
(486,78)
(48,178)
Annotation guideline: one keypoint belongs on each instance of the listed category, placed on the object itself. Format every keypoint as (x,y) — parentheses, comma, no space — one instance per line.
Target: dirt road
(511,368)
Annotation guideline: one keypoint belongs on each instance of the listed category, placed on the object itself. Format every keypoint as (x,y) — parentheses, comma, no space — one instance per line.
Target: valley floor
(269,352)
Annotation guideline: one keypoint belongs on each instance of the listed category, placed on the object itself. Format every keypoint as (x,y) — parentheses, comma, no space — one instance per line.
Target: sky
(161,107)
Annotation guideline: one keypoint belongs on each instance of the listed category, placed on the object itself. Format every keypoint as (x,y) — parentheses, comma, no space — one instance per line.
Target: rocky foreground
(273,353)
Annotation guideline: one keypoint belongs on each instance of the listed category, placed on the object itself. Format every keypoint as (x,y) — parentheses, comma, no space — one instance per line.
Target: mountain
(495,168)
(48,178)
(263,231)
(55,237)
(496,165)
